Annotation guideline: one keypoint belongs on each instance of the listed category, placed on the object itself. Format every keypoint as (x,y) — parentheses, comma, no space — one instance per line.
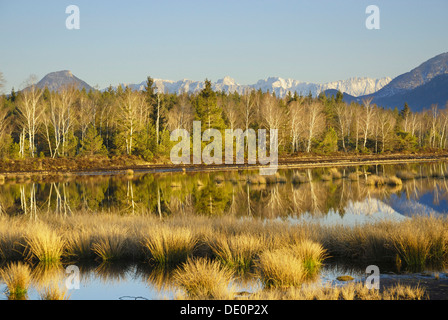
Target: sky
(248,40)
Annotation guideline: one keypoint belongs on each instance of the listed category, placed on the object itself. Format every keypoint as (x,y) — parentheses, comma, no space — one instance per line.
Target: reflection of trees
(28,200)
(61,203)
(164,194)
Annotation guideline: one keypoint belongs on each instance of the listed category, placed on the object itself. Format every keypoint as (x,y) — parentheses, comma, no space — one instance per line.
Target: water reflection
(422,189)
(116,281)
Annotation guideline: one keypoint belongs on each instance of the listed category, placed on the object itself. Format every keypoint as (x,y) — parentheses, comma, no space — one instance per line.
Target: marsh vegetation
(205,238)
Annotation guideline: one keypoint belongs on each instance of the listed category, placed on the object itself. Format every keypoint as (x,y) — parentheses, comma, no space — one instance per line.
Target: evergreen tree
(207,109)
(154,99)
(93,143)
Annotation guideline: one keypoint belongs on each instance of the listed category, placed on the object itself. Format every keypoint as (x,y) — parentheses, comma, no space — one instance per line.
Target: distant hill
(54,81)
(420,88)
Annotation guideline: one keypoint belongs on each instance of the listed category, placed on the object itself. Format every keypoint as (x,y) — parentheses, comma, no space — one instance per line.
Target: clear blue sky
(307,40)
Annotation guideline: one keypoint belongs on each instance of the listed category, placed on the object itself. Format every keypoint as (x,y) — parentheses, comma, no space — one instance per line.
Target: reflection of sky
(425,205)
(93,287)
(129,286)
(357,212)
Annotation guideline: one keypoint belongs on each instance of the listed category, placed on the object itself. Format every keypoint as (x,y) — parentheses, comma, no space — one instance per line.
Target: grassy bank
(412,245)
(285,257)
(54,166)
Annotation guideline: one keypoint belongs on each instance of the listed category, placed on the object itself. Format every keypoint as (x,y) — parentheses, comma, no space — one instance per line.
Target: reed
(169,246)
(256,179)
(204,279)
(79,245)
(12,241)
(350,291)
(17,277)
(413,247)
(54,292)
(280,268)
(44,244)
(353,176)
(238,251)
(312,255)
(110,243)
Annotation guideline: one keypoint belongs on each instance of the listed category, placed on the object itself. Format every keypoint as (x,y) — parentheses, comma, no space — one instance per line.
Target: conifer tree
(207,109)
(92,143)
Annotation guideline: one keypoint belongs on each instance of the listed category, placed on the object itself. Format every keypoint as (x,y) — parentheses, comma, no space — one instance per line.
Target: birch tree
(31,110)
(128,117)
(366,119)
(314,122)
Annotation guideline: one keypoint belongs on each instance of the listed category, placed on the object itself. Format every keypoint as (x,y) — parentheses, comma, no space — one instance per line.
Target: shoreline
(116,166)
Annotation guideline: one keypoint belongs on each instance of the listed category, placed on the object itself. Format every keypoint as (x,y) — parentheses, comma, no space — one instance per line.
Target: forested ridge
(39,123)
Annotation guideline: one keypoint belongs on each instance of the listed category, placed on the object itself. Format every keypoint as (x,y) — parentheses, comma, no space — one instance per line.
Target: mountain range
(281,87)
(421,87)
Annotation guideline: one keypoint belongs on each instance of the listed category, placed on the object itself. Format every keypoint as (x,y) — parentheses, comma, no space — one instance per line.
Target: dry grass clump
(280,179)
(17,277)
(54,292)
(350,291)
(44,244)
(335,173)
(290,266)
(378,181)
(421,242)
(271,179)
(12,242)
(279,268)
(312,255)
(394,181)
(414,244)
(353,176)
(168,246)
(406,175)
(110,243)
(79,244)
(256,179)
(359,244)
(300,178)
(204,279)
(237,251)
(375,180)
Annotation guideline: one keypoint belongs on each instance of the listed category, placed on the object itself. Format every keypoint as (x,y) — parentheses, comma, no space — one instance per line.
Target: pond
(343,195)
(351,192)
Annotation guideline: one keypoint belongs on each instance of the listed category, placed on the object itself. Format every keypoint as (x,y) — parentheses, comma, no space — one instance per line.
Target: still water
(344,195)
(314,193)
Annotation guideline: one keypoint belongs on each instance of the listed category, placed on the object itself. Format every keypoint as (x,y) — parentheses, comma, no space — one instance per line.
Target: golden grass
(415,243)
(350,291)
(237,251)
(291,265)
(312,255)
(299,178)
(169,246)
(353,176)
(17,277)
(12,242)
(54,292)
(44,244)
(110,243)
(335,174)
(204,279)
(79,245)
(279,268)
(412,246)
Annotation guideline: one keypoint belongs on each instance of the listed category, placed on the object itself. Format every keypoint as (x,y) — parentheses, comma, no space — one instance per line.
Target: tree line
(71,122)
